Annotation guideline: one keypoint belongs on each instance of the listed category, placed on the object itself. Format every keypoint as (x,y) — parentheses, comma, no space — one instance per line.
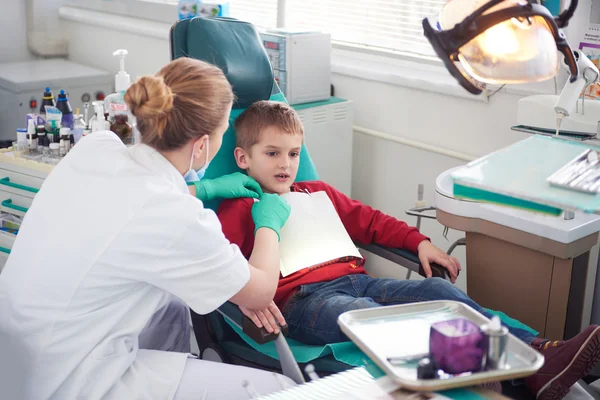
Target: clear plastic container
(78,127)
(55,149)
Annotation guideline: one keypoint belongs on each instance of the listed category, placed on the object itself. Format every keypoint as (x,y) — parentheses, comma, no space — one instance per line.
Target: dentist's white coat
(110,238)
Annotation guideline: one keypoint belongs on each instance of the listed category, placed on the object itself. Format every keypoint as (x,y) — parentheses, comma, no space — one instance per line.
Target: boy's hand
(271,318)
(428,253)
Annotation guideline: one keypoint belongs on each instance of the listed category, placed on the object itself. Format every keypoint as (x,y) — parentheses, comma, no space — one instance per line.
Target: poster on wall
(590,46)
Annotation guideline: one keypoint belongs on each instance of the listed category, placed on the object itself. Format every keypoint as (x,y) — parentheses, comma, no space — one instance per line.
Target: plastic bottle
(32,137)
(21,139)
(122,129)
(47,100)
(42,141)
(55,149)
(98,122)
(49,135)
(187,8)
(65,108)
(65,141)
(78,126)
(115,103)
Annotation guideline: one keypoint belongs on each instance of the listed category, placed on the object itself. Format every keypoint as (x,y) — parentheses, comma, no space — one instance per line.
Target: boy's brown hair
(262,115)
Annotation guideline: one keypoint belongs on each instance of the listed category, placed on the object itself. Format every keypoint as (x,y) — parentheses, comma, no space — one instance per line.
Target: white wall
(147,55)
(13,46)
(463,125)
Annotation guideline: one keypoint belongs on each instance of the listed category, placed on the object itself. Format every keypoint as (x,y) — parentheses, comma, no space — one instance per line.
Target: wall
(463,125)
(13,46)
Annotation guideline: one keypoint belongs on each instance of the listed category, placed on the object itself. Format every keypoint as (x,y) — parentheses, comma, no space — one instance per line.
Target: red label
(118,107)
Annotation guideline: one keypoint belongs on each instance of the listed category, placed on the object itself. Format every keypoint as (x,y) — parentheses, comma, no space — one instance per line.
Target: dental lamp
(515,41)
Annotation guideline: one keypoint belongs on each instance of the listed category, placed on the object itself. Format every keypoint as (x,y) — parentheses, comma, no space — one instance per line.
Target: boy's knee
(360,303)
(438,284)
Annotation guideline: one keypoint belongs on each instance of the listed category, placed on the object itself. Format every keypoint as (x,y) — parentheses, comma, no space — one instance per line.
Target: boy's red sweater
(364,225)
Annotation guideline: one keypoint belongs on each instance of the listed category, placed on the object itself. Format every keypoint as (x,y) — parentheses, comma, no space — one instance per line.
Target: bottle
(98,122)
(79,126)
(65,108)
(21,139)
(32,138)
(86,119)
(65,141)
(55,149)
(115,103)
(122,129)
(187,8)
(495,343)
(42,143)
(47,100)
(49,135)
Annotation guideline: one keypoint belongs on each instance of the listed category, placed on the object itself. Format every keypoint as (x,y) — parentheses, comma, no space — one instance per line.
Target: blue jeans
(312,312)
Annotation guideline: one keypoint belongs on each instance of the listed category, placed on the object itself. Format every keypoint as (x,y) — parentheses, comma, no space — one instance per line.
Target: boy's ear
(241,158)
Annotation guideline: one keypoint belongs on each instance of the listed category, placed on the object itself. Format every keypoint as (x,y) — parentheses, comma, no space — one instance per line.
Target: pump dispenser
(99,123)
(122,79)
(115,103)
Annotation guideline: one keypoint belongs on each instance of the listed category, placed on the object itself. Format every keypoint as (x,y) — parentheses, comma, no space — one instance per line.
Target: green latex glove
(227,187)
(270,212)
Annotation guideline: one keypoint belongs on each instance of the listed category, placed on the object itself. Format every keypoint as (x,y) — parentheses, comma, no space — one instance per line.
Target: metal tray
(402,332)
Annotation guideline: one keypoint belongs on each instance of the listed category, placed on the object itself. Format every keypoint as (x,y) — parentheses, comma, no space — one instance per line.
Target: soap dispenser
(115,103)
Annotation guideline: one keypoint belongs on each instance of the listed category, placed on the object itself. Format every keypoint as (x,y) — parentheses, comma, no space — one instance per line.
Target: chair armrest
(406,259)
(235,315)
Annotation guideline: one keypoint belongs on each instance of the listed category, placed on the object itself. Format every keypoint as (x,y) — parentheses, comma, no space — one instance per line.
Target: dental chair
(236,48)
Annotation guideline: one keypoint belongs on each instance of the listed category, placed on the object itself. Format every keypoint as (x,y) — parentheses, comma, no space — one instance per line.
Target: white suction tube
(588,73)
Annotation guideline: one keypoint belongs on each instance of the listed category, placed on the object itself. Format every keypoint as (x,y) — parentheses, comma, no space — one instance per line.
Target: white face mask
(191,175)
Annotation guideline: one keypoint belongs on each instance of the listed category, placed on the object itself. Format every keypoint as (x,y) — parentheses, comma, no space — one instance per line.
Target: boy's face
(273,161)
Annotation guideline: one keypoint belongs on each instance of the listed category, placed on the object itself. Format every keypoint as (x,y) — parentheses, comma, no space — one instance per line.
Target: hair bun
(150,98)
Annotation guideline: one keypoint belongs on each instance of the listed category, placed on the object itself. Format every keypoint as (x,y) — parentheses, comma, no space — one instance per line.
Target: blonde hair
(264,114)
(187,99)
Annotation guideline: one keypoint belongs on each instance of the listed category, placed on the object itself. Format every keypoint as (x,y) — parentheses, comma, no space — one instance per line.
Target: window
(380,24)
(262,13)
(389,25)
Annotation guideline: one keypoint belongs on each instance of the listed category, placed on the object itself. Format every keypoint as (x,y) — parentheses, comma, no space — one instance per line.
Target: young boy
(269,139)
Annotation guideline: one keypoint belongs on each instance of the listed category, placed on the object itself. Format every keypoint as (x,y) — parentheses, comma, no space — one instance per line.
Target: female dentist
(93,299)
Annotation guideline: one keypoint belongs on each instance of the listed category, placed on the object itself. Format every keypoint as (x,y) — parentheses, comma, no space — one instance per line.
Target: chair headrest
(232,45)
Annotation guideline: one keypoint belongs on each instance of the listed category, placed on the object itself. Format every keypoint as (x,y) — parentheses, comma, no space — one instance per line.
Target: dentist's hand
(272,211)
(227,187)
(271,318)
(428,253)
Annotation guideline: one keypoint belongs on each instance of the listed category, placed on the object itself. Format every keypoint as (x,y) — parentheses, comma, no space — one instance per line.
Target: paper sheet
(313,233)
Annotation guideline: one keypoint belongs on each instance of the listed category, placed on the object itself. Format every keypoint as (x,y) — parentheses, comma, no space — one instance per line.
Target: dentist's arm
(269,216)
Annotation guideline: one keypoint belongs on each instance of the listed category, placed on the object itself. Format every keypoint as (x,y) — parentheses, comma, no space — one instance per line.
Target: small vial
(32,138)
(55,149)
(41,132)
(50,136)
(65,141)
(22,140)
(32,143)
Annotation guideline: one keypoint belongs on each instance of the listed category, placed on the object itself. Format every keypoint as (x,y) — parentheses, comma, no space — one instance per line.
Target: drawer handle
(4,250)
(9,204)
(6,182)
